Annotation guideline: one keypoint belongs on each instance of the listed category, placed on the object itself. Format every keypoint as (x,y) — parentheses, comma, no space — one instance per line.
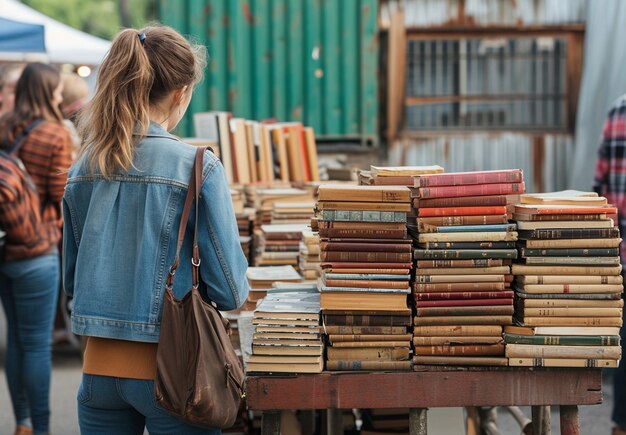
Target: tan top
(120,358)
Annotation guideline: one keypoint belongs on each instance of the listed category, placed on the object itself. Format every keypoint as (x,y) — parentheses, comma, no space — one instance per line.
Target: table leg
(417,421)
(569,420)
(334,421)
(541,420)
(271,423)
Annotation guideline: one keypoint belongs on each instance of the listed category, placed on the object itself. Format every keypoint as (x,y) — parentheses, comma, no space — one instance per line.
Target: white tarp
(64,44)
(604,80)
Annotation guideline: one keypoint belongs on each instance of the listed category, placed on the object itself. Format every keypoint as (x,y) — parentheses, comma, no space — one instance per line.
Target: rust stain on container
(247,13)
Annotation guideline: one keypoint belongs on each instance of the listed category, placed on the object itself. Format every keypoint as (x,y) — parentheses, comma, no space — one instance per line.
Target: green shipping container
(313,61)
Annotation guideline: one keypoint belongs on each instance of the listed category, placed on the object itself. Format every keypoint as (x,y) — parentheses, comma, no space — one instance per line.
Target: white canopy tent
(64,44)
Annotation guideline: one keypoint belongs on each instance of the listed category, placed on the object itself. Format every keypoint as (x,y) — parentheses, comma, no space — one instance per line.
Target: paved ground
(594,420)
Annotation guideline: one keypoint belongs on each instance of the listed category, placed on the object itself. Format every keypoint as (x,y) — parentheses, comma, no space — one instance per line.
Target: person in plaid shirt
(29,281)
(610,181)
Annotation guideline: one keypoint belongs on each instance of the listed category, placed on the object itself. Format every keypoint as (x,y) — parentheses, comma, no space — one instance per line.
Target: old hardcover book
(441,254)
(337,192)
(550,351)
(480,278)
(475,262)
(454,311)
(555,218)
(461,361)
(563,197)
(330,233)
(469,178)
(524,269)
(525,312)
(568,296)
(579,252)
(563,340)
(279,366)
(564,279)
(569,303)
(561,330)
(367,276)
(465,271)
(461,211)
(578,261)
(312,349)
(452,288)
(422,298)
(362,301)
(375,257)
(363,271)
(400,341)
(363,284)
(463,320)
(368,353)
(465,302)
(467,245)
(458,331)
(578,233)
(425,222)
(361,216)
(563,362)
(405,171)
(366,179)
(472,190)
(352,318)
(468,228)
(572,243)
(362,225)
(504,236)
(441,341)
(351,330)
(465,201)
(572,321)
(461,349)
(564,209)
(402,246)
(333,265)
(607,223)
(358,365)
(370,206)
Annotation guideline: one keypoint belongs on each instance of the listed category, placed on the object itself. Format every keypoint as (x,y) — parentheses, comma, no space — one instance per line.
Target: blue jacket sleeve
(70,250)
(223,267)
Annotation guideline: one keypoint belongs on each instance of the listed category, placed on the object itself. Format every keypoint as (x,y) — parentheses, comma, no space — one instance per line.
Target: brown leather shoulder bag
(199,376)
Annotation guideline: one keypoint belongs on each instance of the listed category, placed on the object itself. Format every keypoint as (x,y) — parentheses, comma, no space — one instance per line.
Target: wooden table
(506,386)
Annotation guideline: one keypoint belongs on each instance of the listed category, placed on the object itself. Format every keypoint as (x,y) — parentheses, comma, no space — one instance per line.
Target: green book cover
(563,340)
(592,252)
(361,216)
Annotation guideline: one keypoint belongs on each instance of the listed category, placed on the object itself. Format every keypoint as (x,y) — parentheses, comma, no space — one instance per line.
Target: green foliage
(98,17)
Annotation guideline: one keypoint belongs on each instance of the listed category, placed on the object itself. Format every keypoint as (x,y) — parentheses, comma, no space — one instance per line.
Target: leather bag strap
(193,192)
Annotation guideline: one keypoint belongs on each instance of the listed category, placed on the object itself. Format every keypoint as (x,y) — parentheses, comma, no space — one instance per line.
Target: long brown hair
(33,99)
(141,68)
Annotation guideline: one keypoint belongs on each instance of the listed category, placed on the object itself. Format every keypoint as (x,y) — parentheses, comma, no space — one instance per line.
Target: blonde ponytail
(141,68)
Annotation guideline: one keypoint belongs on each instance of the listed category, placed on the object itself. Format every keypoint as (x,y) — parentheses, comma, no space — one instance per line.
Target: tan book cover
(563,197)
(563,362)
(368,353)
(461,360)
(523,269)
(572,312)
(370,337)
(571,303)
(293,350)
(432,278)
(458,330)
(373,206)
(572,321)
(461,350)
(548,351)
(569,279)
(464,270)
(338,192)
(404,171)
(503,236)
(363,301)
(535,225)
(561,330)
(570,288)
(311,147)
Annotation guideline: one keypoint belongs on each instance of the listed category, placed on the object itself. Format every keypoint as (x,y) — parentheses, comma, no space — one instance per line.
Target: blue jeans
(109,405)
(28,289)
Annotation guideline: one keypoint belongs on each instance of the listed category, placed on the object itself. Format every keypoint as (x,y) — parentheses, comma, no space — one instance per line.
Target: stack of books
(292,212)
(366,259)
(395,175)
(465,247)
(245,221)
(261,279)
(287,336)
(309,255)
(279,244)
(568,287)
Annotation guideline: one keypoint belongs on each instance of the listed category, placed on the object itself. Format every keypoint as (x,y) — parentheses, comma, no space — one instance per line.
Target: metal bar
(295,60)
(270,423)
(350,66)
(416,33)
(541,420)
(410,101)
(569,420)
(417,421)
(313,73)
(331,55)
(369,68)
(279,58)
(334,422)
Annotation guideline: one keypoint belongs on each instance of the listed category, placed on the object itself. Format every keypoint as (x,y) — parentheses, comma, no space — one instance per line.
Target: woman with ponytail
(122,205)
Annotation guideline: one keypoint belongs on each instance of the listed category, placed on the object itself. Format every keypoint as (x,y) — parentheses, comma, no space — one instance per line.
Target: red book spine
(506,294)
(466,178)
(471,190)
(474,262)
(362,233)
(467,350)
(462,211)
(463,302)
(443,288)
(387,257)
(375,247)
(361,265)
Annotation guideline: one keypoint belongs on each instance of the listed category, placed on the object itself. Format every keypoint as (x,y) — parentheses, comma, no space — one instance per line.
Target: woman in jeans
(122,205)
(29,273)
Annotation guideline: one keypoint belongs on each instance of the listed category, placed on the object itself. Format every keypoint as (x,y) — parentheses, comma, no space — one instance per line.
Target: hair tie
(142,37)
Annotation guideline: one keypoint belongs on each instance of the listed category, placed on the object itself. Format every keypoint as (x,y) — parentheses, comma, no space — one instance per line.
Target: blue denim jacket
(120,239)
